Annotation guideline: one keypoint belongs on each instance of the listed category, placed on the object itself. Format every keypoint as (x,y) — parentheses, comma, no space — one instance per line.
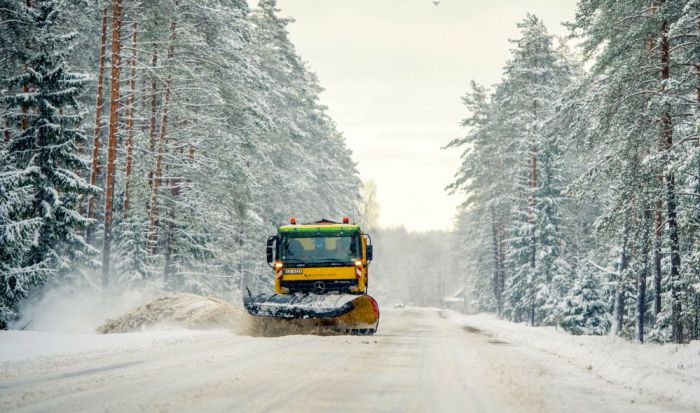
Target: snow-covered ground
(670,373)
(30,346)
(422,360)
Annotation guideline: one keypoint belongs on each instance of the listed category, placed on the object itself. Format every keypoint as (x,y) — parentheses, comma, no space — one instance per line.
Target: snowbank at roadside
(168,320)
(187,311)
(670,371)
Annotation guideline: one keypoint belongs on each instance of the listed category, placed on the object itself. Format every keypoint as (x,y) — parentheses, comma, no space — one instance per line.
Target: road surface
(420,361)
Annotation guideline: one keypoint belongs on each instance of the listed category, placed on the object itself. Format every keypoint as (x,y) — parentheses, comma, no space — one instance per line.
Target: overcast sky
(394,72)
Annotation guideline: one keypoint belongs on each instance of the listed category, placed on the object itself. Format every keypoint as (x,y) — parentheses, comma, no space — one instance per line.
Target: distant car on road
(399,305)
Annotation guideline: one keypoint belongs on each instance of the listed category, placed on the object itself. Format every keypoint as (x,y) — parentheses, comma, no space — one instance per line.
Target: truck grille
(319,286)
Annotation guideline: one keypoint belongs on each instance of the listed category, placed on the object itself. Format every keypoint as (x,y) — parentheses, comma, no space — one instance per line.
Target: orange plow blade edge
(332,313)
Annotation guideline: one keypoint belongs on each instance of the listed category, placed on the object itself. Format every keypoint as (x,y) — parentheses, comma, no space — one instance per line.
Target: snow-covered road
(422,360)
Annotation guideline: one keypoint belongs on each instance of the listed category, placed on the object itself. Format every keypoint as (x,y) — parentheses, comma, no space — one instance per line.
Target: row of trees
(156,142)
(583,186)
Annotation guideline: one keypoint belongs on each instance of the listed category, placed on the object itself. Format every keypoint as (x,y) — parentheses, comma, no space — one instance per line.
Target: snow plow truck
(321,277)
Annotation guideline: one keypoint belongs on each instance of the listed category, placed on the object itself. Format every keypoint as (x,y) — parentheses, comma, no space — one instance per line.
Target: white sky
(394,73)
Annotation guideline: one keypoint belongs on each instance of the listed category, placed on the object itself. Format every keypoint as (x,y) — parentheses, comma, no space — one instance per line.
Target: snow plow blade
(333,313)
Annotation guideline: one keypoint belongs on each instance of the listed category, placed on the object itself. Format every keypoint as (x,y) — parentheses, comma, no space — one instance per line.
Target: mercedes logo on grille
(319,287)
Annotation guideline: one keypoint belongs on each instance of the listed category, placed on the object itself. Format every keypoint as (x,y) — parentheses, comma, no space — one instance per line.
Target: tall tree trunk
(114,105)
(95,170)
(619,315)
(502,259)
(130,121)
(168,251)
(696,292)
(671,205)
(495,283)
(162,142)
(658,212)
(168,262)
(696,318)
(175,190)
(658,234)
(154,114)
(531,205)
(25,110)
(24,124)
(241,235)
(643,274)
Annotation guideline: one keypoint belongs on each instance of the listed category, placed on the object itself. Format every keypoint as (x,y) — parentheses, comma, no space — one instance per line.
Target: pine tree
(513,172)
(217,97)
(638,107)
(524,101)
(487,193)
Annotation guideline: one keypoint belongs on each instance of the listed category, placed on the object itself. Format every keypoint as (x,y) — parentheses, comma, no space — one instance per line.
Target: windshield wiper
(333,261)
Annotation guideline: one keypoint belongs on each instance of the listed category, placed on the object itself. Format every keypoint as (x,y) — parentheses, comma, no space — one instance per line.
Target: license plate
(293,271)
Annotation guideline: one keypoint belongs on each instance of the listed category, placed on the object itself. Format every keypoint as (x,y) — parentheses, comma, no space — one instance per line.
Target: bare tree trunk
(175,191)
(154,114)
(144,105)
(502,259)
(168,251)
(658,233)
(95,170)
(620,286)
(496,262)
(130,121)
(241,235)
(113,130)
(643,274)
(153,213)
(671,206)
(25,110)
(696,318)
(531,205)
(658,212)
(168,261)
(24,124)
(696,292)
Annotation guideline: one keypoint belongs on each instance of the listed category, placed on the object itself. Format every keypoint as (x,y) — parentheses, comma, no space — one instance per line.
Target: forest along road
(419,361)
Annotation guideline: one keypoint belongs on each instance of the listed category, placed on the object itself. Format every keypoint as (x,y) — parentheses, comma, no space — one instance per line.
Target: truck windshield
(320,250)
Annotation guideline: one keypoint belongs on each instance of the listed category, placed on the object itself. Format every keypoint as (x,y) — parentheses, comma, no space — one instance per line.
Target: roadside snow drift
(194,312)
(181,311)
(669,372)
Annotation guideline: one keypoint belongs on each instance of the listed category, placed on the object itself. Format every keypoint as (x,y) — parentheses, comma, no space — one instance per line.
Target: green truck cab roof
(319,230)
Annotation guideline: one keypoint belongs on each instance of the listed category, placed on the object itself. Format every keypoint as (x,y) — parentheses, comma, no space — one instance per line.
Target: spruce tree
(584,312)
(17,233)
(43,144)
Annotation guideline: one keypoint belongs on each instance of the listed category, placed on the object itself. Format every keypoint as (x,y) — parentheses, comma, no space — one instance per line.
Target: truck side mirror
(370,253)
(270,250)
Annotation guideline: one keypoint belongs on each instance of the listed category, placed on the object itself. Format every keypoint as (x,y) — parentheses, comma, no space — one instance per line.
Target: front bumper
(320,286)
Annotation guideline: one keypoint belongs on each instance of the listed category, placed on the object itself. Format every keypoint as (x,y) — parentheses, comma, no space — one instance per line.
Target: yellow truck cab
(321,257)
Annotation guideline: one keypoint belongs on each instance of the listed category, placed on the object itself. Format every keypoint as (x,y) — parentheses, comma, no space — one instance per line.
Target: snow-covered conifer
(583,311)
(44,182)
